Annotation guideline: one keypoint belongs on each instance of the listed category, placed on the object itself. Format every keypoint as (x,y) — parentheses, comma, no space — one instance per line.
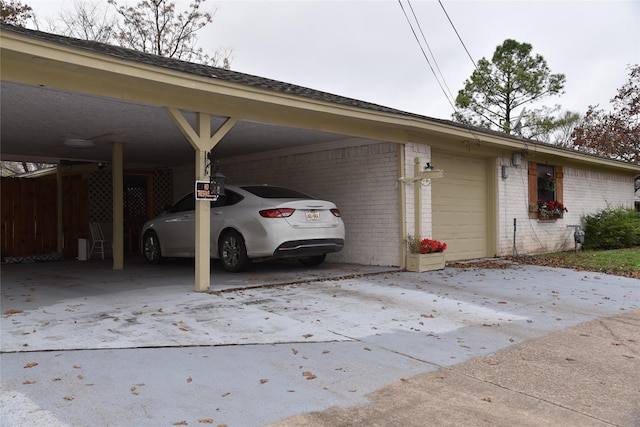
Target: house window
(545,184)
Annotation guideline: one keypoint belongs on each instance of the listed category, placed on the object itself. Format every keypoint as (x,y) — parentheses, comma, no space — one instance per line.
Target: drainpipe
(402,202)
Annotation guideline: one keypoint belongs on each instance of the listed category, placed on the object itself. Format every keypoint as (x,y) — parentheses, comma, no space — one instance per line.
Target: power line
(429,48)
(448,96)
(458,34)
(485,79)
(424,54)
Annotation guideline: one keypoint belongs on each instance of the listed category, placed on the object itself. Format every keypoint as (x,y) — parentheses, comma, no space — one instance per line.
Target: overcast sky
(366,49)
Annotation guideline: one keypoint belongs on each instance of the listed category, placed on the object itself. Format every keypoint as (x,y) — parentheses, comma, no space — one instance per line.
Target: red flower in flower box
(551,208)
(428,246)
(424,246)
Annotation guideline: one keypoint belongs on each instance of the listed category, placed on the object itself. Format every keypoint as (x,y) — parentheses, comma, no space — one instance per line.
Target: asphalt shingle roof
(250,80)
(202,70)
(233,76)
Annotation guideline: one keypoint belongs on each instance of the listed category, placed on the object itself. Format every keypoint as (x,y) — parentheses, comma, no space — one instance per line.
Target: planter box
(425,262)
(542,217)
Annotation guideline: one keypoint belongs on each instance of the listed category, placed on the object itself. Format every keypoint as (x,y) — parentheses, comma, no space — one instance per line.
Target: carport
(68,101)
(81,104)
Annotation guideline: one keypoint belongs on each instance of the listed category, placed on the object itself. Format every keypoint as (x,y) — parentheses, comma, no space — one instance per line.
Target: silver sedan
(250,223)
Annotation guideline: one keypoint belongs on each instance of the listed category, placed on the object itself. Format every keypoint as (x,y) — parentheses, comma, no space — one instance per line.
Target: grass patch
(621,262)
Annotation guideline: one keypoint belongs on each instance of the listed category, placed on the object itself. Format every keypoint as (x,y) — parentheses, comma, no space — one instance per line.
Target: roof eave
(77,69)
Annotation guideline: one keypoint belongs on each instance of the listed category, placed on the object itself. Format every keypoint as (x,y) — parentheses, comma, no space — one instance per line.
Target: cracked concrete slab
(588,375)
(90,346)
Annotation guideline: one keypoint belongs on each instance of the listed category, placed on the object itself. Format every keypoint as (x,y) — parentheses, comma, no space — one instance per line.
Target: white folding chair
(98,241)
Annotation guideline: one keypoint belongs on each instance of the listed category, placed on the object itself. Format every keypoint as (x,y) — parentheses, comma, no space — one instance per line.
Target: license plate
(312,215)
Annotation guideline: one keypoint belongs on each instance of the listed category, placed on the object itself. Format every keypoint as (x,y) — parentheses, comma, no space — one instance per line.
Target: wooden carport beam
(203,142)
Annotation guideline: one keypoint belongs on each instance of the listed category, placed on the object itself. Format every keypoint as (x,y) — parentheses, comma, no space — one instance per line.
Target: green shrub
(612,228)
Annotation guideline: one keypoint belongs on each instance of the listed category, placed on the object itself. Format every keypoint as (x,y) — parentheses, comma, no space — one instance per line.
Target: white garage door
(459,203)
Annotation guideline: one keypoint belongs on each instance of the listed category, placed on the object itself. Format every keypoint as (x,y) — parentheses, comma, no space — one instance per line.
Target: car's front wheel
(151,248)
(233,252)
(312,261)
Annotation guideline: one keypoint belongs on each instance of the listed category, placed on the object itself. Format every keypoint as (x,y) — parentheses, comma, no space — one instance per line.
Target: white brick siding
(361,180)
(584,193)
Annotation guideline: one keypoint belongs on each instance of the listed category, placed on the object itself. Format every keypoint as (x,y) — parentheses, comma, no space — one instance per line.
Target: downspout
(402,201)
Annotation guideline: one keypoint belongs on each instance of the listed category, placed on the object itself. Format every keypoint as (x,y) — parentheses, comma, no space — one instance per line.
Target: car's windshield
(187,203)
(269,192)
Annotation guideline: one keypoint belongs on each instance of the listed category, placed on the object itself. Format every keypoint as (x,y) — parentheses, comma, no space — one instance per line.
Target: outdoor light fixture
(216,181)
(427,173)
(78,143)
(505,172)
(216,178)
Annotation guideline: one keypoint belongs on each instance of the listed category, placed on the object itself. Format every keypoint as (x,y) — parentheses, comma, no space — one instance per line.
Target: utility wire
(475,66)
(425,55)
(485,81)
(429,48)
(449,99)
(458,34)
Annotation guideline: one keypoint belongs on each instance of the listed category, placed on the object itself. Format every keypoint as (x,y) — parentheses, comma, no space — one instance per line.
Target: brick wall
(423,153)
(585,193)
(360,179)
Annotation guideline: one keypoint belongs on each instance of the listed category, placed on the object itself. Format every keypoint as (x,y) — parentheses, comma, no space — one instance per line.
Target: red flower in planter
(428,246)
(424,246)
(551,208)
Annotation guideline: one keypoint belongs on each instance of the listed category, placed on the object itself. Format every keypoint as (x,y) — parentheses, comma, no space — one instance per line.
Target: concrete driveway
(85,345)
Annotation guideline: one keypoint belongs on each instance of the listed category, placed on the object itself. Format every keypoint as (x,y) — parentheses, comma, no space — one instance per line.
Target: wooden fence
(29,216)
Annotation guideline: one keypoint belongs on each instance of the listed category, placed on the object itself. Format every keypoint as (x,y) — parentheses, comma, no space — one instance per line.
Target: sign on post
(202,191)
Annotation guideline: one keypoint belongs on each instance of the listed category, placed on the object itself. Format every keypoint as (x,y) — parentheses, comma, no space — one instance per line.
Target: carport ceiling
(35,122)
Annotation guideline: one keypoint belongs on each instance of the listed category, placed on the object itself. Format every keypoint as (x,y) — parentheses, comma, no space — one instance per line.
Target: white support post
(417,198)
(416,180)
(203,142)
(59,212)
(117,171)
(203,233)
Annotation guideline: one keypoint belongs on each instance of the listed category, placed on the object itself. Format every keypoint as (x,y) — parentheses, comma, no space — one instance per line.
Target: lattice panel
(135,202)
(162,190)
(100,197)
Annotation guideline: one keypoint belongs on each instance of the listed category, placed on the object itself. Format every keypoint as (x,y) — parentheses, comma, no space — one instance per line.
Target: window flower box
(550,209)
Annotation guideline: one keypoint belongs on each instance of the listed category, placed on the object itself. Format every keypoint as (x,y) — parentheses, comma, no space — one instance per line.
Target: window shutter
(559,176)
(533,190)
